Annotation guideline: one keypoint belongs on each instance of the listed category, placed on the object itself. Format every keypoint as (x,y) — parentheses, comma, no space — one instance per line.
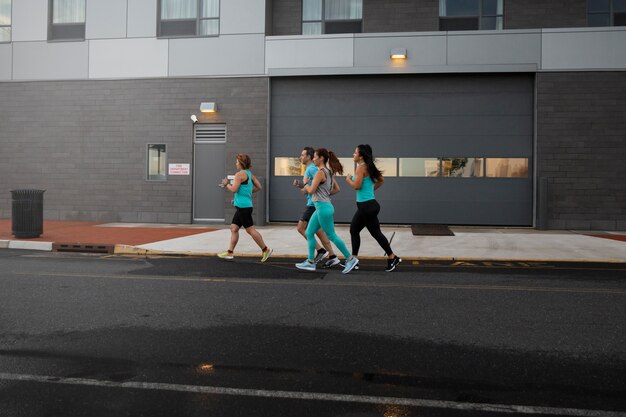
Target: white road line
(313,396)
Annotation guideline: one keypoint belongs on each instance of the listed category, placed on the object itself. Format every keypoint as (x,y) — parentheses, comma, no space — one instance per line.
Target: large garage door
(456,149)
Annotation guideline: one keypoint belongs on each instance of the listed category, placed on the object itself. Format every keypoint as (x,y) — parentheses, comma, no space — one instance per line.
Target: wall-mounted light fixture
(398,53)
(194,118)
(208,107)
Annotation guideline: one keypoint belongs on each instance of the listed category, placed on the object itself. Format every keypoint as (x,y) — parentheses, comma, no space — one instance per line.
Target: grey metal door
(408,117)
(208,170)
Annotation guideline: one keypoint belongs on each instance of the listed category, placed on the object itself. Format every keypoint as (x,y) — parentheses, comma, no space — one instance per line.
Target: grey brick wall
(581,134)
(535,14)
(400,16)
(286,17)
(85,142)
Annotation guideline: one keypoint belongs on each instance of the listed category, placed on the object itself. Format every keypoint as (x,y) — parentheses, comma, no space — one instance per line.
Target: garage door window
(507,167)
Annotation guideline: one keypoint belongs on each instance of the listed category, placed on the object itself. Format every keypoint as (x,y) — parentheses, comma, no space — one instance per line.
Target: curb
(136,251)
(133,250)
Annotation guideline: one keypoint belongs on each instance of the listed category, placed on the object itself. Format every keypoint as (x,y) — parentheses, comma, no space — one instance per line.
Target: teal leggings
(323,217)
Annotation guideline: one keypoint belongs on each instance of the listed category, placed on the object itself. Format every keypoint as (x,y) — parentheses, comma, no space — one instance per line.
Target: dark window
(606,13)
(332,16)
(188,18)
(66,20)
(471,14)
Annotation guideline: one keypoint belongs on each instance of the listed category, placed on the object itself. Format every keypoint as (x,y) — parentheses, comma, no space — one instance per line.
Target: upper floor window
(5,21)
(471,14)
(332,16)
(67,20)
(606,12)
(189,18)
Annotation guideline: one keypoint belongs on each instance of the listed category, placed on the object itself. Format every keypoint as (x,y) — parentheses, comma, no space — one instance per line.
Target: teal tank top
(366,192)
(243,196)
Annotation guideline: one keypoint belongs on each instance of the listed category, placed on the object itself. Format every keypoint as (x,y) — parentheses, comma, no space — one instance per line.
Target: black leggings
(367,216)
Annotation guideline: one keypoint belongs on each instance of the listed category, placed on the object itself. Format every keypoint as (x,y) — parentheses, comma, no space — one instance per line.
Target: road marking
(313,396)
(431,286)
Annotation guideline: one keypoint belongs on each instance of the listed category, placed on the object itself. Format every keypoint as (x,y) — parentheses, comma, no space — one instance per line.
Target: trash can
(27,213)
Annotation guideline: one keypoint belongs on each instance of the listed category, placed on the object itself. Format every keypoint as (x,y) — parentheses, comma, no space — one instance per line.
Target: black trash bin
(27,213)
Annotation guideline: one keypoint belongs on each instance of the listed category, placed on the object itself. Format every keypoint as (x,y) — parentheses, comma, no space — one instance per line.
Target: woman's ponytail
(335,165)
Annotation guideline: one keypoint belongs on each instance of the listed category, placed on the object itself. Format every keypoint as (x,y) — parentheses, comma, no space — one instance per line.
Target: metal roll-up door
(483,117)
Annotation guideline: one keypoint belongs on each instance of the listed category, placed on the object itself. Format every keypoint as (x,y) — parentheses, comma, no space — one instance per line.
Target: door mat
(431,230)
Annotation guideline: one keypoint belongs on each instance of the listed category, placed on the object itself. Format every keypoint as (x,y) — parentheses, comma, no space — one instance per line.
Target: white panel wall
(309,52)
(30,20)
(50,61)
(421,50)
(128,58)
(223,55)
(142,18)
(6,61)
(242,16)
(105,19)
(488,48)
(584,49)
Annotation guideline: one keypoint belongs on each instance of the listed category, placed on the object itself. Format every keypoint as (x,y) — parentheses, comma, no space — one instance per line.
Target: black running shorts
(307,213)
(243,217)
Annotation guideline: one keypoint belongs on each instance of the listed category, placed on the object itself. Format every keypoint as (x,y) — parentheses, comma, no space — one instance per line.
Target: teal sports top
(366,192)
(243,196)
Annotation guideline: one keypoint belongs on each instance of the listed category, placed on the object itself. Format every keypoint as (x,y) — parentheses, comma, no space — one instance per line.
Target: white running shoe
(350,264)
(306,265)
(332,262)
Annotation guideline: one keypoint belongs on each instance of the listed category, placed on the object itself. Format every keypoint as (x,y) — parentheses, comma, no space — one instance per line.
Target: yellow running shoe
(225,255)
(267,254)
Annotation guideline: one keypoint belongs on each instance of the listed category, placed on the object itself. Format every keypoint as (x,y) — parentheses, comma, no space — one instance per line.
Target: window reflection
(348,165)
(419,167)
(507,167)
(423,167)
(462,167)
(388,166)
(287,167)
(157,158)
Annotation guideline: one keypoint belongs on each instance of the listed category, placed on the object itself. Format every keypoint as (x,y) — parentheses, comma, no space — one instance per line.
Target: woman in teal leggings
(322,187)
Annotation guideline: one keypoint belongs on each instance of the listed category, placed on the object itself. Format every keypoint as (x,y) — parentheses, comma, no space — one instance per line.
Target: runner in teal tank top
(367,178)
(243,196)
(366,192)
(242,187)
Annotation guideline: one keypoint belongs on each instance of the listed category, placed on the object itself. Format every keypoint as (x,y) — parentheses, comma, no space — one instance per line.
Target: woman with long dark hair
(322,187)
(368,178)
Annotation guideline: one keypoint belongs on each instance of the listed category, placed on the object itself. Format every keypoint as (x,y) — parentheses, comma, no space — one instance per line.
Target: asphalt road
(98,335)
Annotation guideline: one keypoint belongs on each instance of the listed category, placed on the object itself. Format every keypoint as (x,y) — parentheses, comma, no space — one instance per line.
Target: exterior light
(398,53)
(208,107)
(194,118)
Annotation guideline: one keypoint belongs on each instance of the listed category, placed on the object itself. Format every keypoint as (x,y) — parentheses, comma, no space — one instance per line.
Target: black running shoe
(391,264)
(321,254)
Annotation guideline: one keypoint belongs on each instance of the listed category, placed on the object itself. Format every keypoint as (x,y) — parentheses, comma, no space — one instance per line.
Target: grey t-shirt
(322,194)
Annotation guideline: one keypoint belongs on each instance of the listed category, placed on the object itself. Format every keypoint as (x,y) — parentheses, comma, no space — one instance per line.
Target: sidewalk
(469,243)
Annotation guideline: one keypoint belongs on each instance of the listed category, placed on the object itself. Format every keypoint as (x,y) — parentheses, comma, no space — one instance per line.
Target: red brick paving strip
(86,232)
(621,238)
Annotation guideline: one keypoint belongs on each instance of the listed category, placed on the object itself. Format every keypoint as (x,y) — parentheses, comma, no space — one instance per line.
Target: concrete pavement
(468,243)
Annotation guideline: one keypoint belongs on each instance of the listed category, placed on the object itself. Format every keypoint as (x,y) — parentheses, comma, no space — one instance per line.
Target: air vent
(209,133)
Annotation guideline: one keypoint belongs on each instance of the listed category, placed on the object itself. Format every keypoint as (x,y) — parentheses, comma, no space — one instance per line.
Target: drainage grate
(83,247)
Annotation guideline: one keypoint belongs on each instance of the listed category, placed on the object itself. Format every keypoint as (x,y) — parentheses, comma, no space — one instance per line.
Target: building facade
(509,113)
